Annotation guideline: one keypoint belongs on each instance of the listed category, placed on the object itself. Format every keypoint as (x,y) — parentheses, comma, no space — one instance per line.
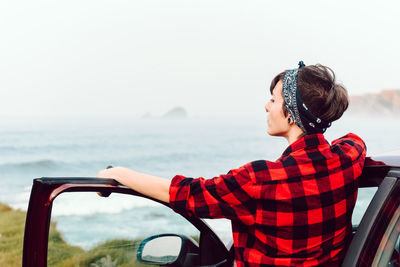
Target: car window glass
(395,258)
(88,230)
(223,229)
(364,197)
(388,250)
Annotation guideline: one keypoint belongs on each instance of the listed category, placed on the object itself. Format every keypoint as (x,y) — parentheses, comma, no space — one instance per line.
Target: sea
(195,147)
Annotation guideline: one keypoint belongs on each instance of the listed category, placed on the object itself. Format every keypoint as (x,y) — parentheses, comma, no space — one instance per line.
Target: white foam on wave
(20,206)
(19,200)
(89,203)
(82,203)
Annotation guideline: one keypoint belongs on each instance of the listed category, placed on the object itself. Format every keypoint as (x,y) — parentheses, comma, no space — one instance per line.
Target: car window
(223,229)
(89,230)
(388,251)
(364,197)
(395,257)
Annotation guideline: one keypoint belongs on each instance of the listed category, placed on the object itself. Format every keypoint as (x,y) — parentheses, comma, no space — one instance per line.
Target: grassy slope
(118,252)
(11,236)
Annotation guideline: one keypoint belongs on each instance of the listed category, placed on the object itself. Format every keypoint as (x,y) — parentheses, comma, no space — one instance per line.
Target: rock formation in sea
(147,115)
(177,112)
(384,103)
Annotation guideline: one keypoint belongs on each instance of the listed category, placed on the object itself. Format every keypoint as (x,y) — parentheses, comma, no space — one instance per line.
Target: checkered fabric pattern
(295,211)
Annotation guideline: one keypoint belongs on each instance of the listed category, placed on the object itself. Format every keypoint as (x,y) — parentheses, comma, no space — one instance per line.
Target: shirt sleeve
(353,146)
(228,196)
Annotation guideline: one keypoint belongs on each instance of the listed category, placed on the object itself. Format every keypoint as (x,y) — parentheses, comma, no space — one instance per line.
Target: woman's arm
(152,186)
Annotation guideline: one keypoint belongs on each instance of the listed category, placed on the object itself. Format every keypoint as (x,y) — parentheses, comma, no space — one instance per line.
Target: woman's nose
(267,106)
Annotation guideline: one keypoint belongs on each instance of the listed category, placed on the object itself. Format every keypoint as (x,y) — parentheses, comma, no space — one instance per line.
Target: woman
(295,211)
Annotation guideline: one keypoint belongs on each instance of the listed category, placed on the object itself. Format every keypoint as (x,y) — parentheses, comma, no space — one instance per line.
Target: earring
(289,120)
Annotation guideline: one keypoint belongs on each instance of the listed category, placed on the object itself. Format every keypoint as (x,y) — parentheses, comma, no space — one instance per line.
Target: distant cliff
(384,103)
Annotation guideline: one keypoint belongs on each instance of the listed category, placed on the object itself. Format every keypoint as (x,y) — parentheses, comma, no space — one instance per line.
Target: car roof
(391,159)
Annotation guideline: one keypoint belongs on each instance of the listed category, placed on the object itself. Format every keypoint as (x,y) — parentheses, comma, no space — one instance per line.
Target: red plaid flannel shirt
(295,211)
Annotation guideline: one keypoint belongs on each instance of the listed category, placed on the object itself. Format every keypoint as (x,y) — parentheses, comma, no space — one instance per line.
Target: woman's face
(277,122)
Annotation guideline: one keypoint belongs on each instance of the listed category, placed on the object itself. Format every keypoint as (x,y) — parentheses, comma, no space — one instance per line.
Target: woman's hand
(152,186)
(116,173)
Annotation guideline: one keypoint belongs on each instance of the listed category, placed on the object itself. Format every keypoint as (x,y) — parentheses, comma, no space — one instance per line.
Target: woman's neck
(294,134)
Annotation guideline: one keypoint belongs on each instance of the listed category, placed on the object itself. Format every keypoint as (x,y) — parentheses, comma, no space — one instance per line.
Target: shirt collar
(308,141)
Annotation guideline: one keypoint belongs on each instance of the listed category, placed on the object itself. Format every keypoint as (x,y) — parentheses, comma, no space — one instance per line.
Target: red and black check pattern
(295,211)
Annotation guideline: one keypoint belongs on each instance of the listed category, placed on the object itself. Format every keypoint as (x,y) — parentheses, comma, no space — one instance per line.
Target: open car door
(211,250)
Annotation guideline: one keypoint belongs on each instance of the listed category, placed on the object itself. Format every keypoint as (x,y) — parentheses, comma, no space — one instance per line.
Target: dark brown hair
(318,88)
(278,78)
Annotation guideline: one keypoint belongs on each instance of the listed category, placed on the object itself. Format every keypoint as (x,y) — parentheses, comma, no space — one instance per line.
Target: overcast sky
(215,58)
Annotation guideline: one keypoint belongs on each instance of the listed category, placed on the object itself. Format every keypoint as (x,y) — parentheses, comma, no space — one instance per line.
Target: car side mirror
(168,249)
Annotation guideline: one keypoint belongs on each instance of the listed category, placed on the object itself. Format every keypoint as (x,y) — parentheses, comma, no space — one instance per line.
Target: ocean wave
(54,164)
(41,164)
(59,146)
(89,203)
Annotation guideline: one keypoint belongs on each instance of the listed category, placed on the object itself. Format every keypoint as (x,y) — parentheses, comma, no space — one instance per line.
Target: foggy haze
(107,59)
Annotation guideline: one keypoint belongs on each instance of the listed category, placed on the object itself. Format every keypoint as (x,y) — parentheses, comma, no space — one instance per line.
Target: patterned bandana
(299,112)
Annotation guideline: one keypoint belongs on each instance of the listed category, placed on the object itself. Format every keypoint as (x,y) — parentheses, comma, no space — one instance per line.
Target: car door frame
(363,248)
(46,189)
